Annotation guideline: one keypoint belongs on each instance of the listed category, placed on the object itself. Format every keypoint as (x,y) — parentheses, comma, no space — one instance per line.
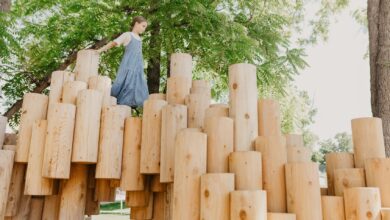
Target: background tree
(378,14)
(42,36)
(342,142)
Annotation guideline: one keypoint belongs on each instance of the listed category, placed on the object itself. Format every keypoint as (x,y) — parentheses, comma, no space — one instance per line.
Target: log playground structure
(184,159)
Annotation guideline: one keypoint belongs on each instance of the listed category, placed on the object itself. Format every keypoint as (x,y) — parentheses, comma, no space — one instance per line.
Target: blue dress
(130,86)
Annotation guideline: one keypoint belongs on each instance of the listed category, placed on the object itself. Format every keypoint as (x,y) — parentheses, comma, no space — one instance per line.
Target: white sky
(338,78)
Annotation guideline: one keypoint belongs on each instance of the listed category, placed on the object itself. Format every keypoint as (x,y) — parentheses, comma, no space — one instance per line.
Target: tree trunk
(5,5)
(378,12)
(153,70)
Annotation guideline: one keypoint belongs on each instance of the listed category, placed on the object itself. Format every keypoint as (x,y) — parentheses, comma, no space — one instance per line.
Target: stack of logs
(185,159)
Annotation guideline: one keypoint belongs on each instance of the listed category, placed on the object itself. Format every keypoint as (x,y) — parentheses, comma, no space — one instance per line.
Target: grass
(111,206)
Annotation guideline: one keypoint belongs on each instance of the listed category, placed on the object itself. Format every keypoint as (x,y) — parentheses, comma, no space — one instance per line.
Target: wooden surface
(59,140)
(215,189)
(362,203)
(367,138)
(132,179)
(151,136)
(247,167)
(274,156)
(174,118)
(34,108)
(87,127)
(35,183)
(219,132)
(109,162)
(190,165)
(243,105)
(303,190)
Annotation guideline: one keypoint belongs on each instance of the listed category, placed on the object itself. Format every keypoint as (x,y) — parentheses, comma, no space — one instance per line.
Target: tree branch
(45,82)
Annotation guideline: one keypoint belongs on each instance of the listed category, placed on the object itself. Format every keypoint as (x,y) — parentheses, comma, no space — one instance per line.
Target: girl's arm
(107,46)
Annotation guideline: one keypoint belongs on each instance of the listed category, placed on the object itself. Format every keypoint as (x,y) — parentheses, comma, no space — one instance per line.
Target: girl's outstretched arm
(107,46)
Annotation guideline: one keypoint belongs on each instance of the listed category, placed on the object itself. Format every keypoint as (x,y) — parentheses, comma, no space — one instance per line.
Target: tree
(342,142)
(216,33)
(378,13)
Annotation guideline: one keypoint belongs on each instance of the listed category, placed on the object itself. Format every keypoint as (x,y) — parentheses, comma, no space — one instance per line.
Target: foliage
(342,142)
(36,36)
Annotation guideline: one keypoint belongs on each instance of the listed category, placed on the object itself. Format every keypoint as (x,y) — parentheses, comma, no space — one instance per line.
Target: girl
(130,86)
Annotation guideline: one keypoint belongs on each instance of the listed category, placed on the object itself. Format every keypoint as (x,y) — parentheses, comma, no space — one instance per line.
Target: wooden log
(248,205)
(156,185)
(219,132)
(92,206)
(247,167)
(158,96)
(298,154)
(58,79)
(115,183)
(151,136)
(71,90)
(280,216)
(34,107)
(269,118)
(324,191)
(274,156)
(303,190)
(219,105)
(9,147)
(197,105)
(145,212)
(378,175)
(132,179)
(3,126)
(158,205)
(138,198)
(168,204)
(190,165)
(111,141)
(385,213)
(51,207)
(368,141)
(346,178)
(73,194)
(336,161)
(215,189)
(10,139)
(178,87)
(36,212)
(87,64)
(243,105)
(103,85)
(23,210)
(362,203)
(173,119)
(15,189)
(113,101)
(201,87)
(332,208)
(216,111)
(35,183)
(181,64)
(103,191)
(294,140)
(87,126)
(59,139)
(6,165)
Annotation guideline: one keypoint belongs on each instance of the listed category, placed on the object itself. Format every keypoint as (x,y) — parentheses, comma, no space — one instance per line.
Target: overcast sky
(338,77)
